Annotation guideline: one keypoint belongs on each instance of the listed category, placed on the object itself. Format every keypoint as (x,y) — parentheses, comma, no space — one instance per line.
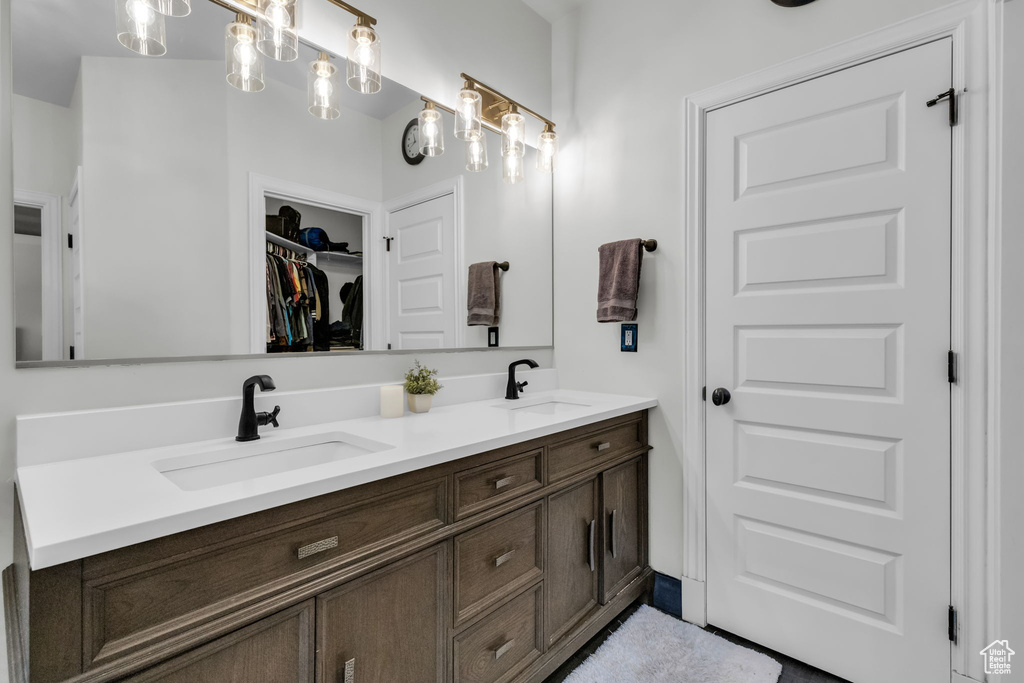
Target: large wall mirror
(162,213)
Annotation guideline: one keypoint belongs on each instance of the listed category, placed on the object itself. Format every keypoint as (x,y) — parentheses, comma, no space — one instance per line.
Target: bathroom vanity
(494,566)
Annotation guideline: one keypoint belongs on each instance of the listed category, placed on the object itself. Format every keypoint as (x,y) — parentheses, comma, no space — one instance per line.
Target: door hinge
(388,240)
(71,241)
(949,96)
(952,624)
(71,354)
(951,367)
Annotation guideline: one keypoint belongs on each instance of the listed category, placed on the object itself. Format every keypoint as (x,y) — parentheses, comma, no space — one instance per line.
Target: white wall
(55,389)
(500,223)
(28,279)
(619,109)
(1011,477)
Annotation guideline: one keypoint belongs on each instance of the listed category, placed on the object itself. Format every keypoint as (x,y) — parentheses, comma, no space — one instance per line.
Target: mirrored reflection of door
(422,275)
(39,307)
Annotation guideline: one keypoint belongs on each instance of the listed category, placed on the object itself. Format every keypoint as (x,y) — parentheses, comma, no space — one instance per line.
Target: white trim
(52,228)
(260,187)
(694,594)
(452,186)
(975,316)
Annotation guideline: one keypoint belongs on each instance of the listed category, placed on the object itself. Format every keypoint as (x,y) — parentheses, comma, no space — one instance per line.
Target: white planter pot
(420,403)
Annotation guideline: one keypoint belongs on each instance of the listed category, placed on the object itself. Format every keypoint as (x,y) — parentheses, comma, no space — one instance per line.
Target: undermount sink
(543,407)
(236,463)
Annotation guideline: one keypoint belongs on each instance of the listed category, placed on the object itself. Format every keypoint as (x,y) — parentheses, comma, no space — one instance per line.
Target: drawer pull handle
(503,650)
(318,547)
(350,671)
(603,446)
(502,559)
(502,483)
(592,529)
(615,536)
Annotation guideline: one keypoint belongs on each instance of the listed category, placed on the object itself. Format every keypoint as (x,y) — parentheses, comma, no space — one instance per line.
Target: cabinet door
(278,649)
(625,538)
(387,626)
(572,558)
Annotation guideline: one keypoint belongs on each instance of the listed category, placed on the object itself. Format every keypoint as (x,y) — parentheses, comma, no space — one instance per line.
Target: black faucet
(250,422)
(513,388)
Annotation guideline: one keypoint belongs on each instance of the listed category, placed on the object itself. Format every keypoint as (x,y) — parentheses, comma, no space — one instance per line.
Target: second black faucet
(250,422)
(513,387)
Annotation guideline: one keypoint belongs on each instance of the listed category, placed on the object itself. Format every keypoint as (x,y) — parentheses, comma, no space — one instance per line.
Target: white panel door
(421,275)
(828,318)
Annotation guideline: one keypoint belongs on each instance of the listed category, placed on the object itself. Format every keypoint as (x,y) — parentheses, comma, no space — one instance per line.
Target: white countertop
(81,507)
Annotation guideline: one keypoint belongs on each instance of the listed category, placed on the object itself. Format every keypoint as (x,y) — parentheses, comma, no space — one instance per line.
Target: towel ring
(650,245)
(503,266)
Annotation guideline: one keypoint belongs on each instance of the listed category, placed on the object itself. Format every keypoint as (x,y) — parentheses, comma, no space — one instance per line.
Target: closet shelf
(288,244)
(318,257)
(338,257)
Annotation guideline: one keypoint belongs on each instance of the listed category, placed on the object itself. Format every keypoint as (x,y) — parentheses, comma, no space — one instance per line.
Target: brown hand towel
(484,294)
(619,280)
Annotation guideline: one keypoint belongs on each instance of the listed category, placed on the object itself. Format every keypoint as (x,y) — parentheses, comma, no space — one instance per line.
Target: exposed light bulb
(431,132)
(513,134)
(142,14)
(323,90)
(512,166)
(363,70)
(244,61)
(476,153)
(547,150)
(140,27)
(171,8)
(277,36)
(467,114)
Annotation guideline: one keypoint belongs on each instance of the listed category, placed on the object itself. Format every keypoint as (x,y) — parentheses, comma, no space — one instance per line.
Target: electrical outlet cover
(629,331)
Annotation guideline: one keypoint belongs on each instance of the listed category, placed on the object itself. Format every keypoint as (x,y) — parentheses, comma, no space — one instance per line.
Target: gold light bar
(496,104)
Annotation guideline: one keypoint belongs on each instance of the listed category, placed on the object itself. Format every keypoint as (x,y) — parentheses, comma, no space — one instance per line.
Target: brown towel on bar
(619,280)
(484,294)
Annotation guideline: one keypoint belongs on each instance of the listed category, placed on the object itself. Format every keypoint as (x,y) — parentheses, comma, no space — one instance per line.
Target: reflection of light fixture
(172,8)
(140,28)
(244,61)
(512,168)
(467,114)
(547,149)
(277,37)
(323,88)
(431,131)
(363,58)
(513,134)
(476,152)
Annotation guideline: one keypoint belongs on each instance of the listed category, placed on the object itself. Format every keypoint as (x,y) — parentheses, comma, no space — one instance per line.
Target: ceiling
(51,36)
(553,10)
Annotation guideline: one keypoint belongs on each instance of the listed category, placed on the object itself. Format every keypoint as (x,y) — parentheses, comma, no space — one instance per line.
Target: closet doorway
(39,305)
(314,283)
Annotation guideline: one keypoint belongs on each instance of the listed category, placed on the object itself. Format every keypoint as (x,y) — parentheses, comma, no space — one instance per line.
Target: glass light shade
(512,169)
(140,28)
(171,8)
(277,37)
(547,151)
(324,102)
(513,134)
(431,132)
(467,115)
(476,152)
(363,71)
(244,61)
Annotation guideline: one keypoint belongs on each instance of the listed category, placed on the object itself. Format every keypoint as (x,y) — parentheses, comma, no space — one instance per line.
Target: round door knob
(720,396)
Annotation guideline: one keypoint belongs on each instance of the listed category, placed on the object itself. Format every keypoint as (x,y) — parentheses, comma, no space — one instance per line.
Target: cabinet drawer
(499,646)
(576,455)
(494,483)
(144,605)
(497,559)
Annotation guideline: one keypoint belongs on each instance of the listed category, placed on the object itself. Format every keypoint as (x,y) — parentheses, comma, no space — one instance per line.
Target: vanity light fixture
(363,70)
(323,88)
(172,8)
(476,152)
(140,28)
(468,124)
(244,62)
(547,149)
(278,38)
(431,130)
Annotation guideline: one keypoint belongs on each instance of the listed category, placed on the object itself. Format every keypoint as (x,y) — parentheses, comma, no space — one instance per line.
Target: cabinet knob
(502,559)
(501,651)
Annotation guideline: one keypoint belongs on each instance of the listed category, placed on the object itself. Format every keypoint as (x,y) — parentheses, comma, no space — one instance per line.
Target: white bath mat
(652,647)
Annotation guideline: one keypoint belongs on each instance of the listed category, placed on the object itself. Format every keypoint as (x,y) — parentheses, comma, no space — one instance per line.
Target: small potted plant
(421,387)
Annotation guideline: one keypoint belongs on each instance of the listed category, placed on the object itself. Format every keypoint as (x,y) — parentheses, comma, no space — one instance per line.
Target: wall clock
(411,143)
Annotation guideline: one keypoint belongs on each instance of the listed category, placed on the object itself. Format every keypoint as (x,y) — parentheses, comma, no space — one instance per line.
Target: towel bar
(649,245)
(503,265)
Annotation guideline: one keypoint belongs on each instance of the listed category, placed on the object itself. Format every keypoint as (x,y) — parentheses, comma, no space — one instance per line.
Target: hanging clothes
(296,305)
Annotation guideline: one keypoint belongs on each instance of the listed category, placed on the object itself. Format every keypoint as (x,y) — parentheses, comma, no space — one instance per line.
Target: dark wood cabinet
(278,649)
(494,568)
(388,626)
(623,493)
(572,557)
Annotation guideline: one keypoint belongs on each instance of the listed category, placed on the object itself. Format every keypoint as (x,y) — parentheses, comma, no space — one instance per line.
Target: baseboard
(12,624)
(668,596)
(694,601)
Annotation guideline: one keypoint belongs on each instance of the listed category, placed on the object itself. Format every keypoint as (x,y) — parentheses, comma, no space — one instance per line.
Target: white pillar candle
(392,401)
